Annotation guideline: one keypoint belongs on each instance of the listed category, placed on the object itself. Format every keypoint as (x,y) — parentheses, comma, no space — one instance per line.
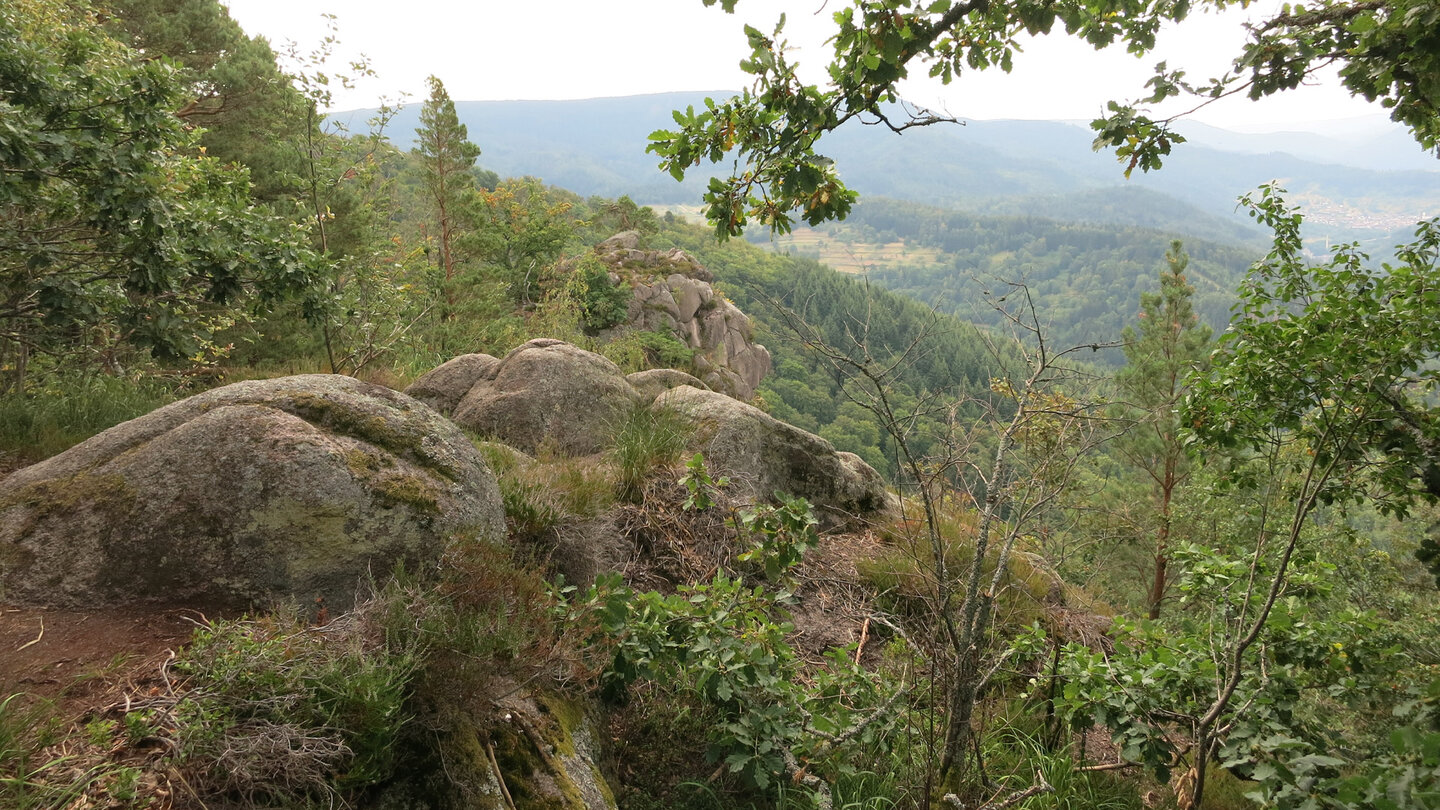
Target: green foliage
(639,351)
(1315,662)
(1170,345)
(782,534)
(725,643)
(701,487)
(251,113)
(1383,51)
(1017,751)
(492,619)
(119,236)
(446,156)
(517,231)
(1339,355)
(29,777)
(602,302)
(783,180)
(69,408)
(604,218)
(650,439)
(1406,776)
(771,130)
(443,146)
(905,570)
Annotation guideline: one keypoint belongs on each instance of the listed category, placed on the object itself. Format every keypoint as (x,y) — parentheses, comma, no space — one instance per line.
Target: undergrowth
(65,410)
(31,776)
(904,572)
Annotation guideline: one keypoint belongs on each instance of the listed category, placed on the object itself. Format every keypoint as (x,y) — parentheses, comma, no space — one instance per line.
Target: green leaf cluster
(119,235)
(1385,49)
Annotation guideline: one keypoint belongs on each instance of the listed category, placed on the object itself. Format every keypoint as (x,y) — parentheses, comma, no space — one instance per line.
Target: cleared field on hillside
(844,256)
(856,257)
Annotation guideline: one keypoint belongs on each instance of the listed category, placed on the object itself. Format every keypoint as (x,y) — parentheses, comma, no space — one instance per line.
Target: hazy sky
(568,49)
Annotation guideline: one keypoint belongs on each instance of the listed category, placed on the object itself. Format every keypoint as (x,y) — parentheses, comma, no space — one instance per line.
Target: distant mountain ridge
(1372,142)
(597,147)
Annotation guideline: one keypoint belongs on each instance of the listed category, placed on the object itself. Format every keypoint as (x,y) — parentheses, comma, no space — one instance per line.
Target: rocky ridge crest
(672,293)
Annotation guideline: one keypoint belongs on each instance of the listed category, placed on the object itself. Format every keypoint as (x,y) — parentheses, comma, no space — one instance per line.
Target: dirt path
(77,657)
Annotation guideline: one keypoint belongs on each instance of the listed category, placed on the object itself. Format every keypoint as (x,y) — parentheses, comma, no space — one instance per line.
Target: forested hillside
(1084,280)
(346,464)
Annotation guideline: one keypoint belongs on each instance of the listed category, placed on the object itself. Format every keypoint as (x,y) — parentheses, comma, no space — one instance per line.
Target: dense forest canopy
(1214,563)
(1085,279)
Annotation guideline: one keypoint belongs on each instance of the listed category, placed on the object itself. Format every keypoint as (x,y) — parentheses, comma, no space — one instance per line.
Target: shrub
(280,710)
(638,351)
(603,303)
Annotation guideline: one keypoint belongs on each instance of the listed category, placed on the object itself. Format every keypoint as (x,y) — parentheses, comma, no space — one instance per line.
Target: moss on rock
(292,489)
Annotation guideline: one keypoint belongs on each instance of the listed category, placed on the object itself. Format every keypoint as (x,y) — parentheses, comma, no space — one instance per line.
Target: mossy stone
(294,489)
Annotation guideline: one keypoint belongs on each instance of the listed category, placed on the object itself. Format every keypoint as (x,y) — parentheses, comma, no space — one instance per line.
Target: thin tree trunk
(1162,539)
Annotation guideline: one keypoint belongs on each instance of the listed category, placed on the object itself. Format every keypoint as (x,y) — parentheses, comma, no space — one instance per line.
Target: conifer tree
(446,158)
(1169,344)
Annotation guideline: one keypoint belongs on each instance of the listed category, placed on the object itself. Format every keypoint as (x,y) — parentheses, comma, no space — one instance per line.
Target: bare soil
(78,658)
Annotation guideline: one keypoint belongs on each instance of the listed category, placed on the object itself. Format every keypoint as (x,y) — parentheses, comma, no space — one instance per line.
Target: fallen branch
(1040,786)
(35,640)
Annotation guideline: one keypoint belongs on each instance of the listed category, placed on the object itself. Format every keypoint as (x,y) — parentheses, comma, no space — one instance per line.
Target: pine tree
(1169,344)
(446,158)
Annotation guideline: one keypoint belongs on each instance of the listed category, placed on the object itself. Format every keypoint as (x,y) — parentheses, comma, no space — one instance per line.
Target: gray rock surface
(762,455)
(293,489)
(548,392)
(656,381)
(444,386)
(671,293)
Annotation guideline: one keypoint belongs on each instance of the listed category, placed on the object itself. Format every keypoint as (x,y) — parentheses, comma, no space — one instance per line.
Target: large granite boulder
(762,455)
(293,489)
(552,394)
(444,386)
(653,382)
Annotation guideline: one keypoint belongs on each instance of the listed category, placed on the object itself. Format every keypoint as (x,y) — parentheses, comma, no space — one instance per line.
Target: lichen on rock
(293,489)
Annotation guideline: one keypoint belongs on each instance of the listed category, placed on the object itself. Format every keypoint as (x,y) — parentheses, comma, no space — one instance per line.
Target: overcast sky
(570,49)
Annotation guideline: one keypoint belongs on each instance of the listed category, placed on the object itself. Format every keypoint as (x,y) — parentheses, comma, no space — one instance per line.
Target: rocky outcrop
(671,293)
(548,393)
(762,455)
(444,386)
(293,489)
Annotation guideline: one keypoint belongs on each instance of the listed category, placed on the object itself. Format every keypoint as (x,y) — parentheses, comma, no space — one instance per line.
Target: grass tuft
(650,439)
